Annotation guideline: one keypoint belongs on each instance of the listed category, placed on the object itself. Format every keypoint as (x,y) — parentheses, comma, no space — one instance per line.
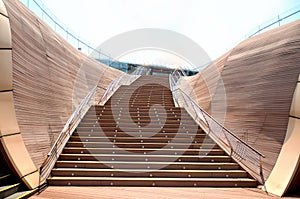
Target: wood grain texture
(259,76)
(151,192)
(50,78)
(205,83)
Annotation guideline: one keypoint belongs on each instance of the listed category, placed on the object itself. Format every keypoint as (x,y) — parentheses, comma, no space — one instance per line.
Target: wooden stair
(139,138)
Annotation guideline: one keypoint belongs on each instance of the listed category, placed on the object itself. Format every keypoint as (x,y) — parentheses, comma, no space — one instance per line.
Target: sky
(215,25)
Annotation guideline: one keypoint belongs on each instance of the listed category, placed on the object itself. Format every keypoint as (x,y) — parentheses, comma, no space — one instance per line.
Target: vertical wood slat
(46,69)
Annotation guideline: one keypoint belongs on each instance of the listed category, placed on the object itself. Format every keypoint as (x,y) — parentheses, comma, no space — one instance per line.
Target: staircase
(139,138)
(10,186)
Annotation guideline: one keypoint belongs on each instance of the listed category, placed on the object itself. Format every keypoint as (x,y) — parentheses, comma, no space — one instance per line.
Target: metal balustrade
(40,9)
(77,115)
(239,150)
(65,134)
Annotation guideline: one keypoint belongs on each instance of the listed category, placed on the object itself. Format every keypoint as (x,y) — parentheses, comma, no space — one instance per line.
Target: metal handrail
(75,118)
(114,85)
(123,79)
(65,134)
(66,30)
(231,143)
(45,12)
(277,21)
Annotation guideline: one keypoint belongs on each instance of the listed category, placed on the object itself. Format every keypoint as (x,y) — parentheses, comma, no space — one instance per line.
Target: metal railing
(39,8)
(281,19)
(65,134)
(239,150)
(112,87)
(77,115)
(123,79)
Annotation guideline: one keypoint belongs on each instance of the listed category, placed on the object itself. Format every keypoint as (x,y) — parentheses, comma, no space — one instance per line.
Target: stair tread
(139,162)
(180,154)
(146,149)
(148,156)
(149,170)
(153,139)
(142,155)
(151,179)
(150,149)
(144,133)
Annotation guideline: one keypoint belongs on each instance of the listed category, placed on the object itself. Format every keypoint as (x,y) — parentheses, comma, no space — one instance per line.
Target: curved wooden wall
(205,83)
(42,79)
(285,176)
(12,144)
(259,76)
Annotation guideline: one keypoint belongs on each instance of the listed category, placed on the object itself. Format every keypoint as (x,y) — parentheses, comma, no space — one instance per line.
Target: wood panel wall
(205,83)
(50,78)
(259,76)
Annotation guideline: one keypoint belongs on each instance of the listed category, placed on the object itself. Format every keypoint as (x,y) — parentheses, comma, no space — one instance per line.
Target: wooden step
(115,144)
(130,118)
(170,109)
(79,172)
(133,157)
(112,119)
(108,132)
(166,150)
(124,115)
(141,103)
(142,145)
(150,158)
(163,182)
(147,165)
(123,112)
(132,124)
(98,142)
(89,137)
(137,129)
(129,138)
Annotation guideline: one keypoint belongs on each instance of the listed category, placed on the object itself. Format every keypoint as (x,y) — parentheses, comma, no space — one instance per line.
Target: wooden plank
(150,193)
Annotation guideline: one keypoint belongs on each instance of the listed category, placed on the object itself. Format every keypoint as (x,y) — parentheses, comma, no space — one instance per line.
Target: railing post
(69,129)
(261,172)
(229,144)
(204,116)
(56,151)
(39,187)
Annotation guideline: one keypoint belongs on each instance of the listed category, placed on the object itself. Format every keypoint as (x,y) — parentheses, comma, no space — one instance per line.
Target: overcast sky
(215,25)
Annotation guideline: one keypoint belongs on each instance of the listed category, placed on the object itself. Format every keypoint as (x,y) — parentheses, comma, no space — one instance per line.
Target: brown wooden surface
(45,73)
(259,75)
(205,83)
(151,193)
(167,147)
